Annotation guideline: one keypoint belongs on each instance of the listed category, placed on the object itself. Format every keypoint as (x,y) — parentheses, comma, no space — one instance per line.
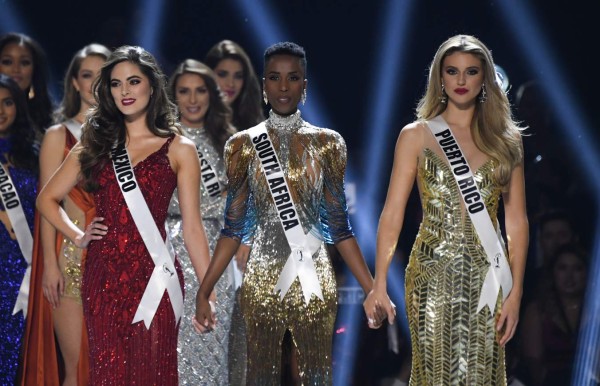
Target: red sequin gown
(116,273)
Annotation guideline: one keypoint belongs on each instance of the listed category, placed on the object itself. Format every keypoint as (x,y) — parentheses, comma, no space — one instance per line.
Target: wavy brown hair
(217,119)
(105,124)
(247,107)
(71,102)
(493,129)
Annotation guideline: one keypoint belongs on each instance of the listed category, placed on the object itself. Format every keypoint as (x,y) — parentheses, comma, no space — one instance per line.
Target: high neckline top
(289,122)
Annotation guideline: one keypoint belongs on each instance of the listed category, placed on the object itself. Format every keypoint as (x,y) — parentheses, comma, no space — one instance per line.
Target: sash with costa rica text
(164,276)
(498,275)
(214,189)
(18,221)
(300,262)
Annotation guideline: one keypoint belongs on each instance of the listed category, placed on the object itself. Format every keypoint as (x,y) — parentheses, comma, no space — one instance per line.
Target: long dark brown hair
(71,102)
(247,107)
(39,105)
(105,125)
(21,133)
(217,120)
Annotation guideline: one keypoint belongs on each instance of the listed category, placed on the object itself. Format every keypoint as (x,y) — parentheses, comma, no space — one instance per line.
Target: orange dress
(41,364)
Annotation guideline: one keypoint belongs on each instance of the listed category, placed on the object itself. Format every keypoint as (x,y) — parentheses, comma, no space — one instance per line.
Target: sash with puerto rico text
(498,275)
(18,221)
(300,262)
(164,276)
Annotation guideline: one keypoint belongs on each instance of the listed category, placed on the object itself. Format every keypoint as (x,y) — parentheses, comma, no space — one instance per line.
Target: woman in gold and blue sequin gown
(453,341)
(313,161)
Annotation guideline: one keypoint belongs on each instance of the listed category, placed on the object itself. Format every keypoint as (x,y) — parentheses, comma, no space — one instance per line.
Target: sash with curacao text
(498,275)
(164,277)
(300,262)
(14,210)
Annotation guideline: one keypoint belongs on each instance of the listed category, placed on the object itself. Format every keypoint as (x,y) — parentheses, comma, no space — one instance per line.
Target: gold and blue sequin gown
(203,358)
(452,344)
(313,160)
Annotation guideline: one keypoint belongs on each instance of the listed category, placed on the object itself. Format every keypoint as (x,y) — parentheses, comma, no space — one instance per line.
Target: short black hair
(286,48)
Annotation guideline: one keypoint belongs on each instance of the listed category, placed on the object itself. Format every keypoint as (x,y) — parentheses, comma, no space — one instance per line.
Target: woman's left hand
(508,318)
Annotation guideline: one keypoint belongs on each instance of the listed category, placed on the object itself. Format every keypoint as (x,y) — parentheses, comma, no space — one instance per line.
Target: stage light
(150,25)
(10,20)
(534,47)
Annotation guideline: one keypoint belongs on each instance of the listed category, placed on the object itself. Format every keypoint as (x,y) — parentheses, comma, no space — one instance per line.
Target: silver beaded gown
(203,358)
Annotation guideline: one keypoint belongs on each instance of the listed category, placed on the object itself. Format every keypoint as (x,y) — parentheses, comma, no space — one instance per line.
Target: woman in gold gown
(453,341)
(313,161)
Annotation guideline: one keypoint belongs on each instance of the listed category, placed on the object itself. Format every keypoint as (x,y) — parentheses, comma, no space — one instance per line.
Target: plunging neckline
(149,156)
(439,159)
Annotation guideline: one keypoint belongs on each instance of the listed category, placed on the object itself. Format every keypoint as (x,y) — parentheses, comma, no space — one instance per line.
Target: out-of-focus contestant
(204,118)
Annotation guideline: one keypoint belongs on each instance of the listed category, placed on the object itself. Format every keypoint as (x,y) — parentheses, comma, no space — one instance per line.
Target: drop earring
(483,95)
(265,98)
(31,94)
(303,98)
(444,97)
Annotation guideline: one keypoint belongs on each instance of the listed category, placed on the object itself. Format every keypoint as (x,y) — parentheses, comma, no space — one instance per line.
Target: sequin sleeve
(335,222)
(240,215)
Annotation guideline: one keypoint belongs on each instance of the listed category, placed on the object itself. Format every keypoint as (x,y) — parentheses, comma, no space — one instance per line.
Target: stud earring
(444,97)
(483,95)
(265,98)
(303,98)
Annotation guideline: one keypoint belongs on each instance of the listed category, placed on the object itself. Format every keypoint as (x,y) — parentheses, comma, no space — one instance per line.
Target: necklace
(289,122)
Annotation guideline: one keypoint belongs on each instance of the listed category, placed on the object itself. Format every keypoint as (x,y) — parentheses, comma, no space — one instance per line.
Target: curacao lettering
(7,189)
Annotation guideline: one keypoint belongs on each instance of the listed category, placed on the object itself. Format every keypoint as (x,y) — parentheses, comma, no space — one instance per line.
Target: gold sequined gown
(203,358)
(313,161)
(452,344)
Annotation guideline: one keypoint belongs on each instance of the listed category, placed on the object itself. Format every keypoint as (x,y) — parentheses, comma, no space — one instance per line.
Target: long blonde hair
(494,131)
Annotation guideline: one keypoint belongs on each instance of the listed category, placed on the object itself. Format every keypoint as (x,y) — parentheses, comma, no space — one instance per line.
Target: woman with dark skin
(23,59)
(19,163)
(313,161)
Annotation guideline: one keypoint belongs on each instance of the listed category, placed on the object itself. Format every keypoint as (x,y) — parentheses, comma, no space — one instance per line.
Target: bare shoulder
(55,133)
(182,145)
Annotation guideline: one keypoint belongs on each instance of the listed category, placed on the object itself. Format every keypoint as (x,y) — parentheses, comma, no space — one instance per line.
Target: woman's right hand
(379,306)
(94,231)
(53,285)
(205,318)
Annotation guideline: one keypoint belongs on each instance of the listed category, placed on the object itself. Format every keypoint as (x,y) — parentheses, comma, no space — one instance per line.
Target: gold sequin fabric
(70,263)
(203,358)
(452,344)
(313,161)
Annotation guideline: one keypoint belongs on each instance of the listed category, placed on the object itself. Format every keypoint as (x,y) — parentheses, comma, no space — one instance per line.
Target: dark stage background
(347,76)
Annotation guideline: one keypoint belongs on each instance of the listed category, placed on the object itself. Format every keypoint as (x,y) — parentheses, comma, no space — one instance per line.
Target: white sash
(164,277)
(498,275)
(14,210)
(214,189)
(208,177)
(74,127)
(300,262)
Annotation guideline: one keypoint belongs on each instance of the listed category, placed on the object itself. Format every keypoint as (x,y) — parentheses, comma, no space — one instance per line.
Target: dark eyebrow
(134,76)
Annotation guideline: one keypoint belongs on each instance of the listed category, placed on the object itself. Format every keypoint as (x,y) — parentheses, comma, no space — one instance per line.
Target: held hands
(94,231)
(205,318)
(378,307)
(53,285)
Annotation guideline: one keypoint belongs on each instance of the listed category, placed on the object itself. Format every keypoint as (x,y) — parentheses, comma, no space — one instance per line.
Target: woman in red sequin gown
(132,109)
